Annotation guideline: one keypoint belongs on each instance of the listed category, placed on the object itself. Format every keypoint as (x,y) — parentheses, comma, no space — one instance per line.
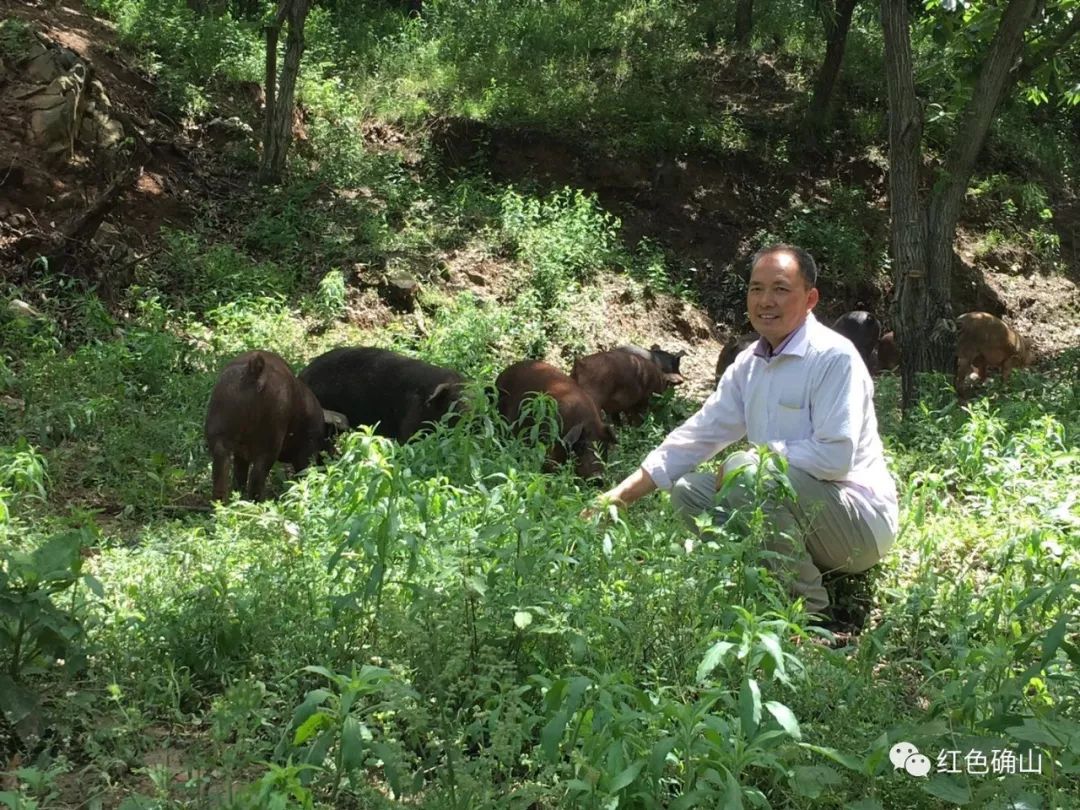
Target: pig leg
(963,369)
(240,473)
(256,484)
(221,475)
(1007,367)
(980,364)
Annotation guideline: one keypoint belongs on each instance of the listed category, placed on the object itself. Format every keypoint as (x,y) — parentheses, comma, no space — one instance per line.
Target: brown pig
(579,418)
(621,382)
(260,413)
(983,340)
(887,353)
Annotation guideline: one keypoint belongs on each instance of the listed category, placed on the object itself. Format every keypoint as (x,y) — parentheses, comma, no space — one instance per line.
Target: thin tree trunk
(908,233)
(744,21)
(280,95)
(923,235)
(837,21)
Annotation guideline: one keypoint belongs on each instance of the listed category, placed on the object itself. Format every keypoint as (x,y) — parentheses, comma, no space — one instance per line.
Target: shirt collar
(795,343)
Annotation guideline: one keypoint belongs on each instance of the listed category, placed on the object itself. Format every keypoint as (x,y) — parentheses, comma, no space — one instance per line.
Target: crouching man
(803,391)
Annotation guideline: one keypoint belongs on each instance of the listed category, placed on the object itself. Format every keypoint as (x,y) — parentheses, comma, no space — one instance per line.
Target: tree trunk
(277,134)
(923,234)
(908,232)
(744,21)
(837,21)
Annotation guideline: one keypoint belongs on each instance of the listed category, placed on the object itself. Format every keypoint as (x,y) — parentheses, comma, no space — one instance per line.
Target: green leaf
(811,780)
(16,701)
(577,786)
(785,718)
(750,706)
(659,755)
(866,804)
(552,733)
(16,802)
(713,658)
(850,762)
(1054,638)
(627,776)
(94,585)
(390,767)
(733,793)
(772,645)
(330,676)
(352,744)
(310,727)
(1033,731)
(948,789)
(59,557)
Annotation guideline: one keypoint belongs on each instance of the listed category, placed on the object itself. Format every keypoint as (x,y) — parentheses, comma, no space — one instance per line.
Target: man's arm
(837,412)
(632,488)
(720,421)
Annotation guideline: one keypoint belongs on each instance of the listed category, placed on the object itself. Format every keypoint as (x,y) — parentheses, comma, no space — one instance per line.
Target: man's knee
(693,494)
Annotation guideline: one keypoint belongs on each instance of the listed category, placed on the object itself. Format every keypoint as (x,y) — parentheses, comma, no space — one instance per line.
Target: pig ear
(655,348)
(335,422)
(680,353)
(442,390)
(573,435)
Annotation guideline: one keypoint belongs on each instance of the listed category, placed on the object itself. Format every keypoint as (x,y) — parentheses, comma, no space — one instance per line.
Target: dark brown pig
(621,382)
(397,394)
(862,329)
(260,413)
(983,340)
(579,418)
(731,350)
(887,354)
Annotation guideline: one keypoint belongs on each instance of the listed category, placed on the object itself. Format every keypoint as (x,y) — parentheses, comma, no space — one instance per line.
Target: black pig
(397,394)
(731,350)
(862,329)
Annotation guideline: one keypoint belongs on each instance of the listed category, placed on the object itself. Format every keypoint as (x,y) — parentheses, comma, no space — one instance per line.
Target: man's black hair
(807,265)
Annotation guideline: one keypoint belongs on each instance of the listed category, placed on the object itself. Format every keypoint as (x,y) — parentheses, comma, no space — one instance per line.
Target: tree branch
(1046,52)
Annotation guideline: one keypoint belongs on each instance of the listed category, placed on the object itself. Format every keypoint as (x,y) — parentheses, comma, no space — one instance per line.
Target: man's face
(778,299)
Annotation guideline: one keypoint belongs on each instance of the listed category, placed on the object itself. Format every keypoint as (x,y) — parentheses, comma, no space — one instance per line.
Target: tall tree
(277,132)
(744,21)
(836,20)
(924,225)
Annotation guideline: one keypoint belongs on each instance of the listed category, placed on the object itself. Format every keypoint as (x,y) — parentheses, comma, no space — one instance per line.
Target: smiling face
(778,299)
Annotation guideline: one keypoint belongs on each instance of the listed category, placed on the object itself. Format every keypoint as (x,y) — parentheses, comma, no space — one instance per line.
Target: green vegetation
(432,624)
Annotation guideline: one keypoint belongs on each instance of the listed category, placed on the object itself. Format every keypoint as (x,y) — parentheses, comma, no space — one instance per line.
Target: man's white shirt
(811,402)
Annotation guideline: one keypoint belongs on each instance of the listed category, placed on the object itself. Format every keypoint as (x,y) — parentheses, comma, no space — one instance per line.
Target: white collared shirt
(811,402)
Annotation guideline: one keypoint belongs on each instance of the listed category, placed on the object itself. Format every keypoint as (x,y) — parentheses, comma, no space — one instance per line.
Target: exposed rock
(55,111)
(400,291)
(22,309)
(46,64)
(232,128)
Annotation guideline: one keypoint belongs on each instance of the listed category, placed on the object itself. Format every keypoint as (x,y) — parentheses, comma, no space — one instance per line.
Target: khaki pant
(828,531)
